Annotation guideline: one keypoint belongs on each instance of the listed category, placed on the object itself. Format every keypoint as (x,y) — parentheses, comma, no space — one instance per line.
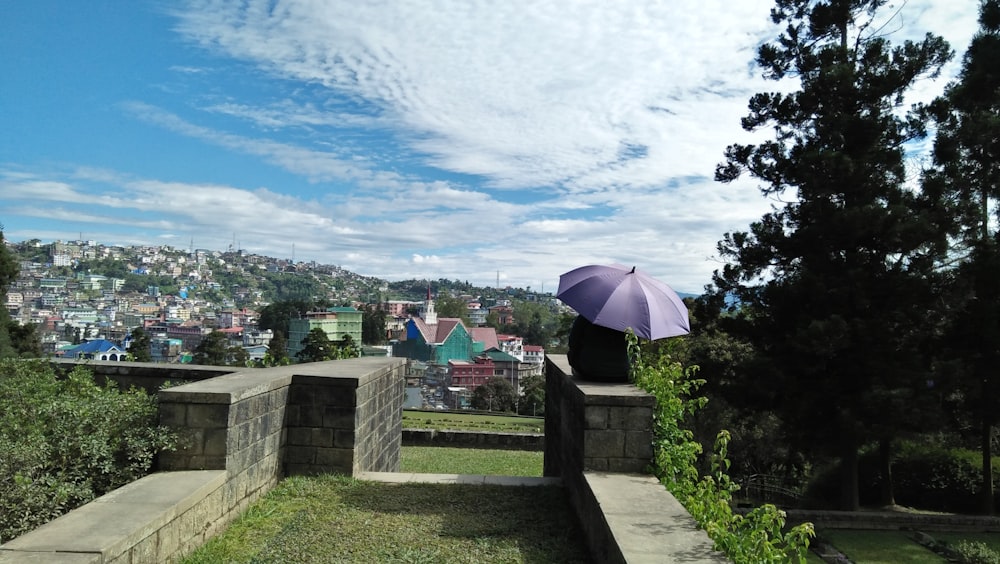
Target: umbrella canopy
(619,297)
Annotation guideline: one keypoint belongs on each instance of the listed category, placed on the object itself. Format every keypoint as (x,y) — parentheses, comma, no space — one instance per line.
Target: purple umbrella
(620,297)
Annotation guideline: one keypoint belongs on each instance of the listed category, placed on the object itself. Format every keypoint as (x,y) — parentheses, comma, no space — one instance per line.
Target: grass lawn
(340,519)
(880,547)
(414,419)
(491,462)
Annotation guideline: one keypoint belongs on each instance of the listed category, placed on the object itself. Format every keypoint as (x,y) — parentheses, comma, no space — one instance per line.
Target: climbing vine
(760,535)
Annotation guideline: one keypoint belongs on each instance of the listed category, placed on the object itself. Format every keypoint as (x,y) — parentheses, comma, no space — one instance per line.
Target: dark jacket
(597,353)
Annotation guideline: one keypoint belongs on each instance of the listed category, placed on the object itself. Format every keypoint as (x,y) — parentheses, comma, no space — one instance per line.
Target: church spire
(429,315)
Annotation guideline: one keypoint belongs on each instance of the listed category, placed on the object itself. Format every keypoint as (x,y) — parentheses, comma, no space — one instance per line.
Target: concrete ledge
(149,512)
(633,518)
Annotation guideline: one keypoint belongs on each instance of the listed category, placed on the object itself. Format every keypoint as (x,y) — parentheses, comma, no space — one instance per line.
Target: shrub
(974,552)
(937,478)
(67,441)
(925,476)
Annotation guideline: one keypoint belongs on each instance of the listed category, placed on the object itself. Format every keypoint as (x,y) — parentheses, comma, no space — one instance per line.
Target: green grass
(338,519)
(445,460)
(413,419)
(880,547)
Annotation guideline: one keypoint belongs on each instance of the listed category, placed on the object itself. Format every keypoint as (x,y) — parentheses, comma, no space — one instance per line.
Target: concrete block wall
(599,441)
(143,375)
(243,431)
(594,426)
(345,423)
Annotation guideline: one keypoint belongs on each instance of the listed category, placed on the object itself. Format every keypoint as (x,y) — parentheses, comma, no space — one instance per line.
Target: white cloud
(590,129)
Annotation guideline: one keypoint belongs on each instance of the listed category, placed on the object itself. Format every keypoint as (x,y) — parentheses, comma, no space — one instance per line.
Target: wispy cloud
(454,139)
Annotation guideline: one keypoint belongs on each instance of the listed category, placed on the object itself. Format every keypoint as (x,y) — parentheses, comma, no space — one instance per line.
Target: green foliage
(16,340)
(140,346)
(930,477)
(535,322)
(533,396)
(110,267)
(497,394)
(975,552)
(373,325)
(286,286)
(316,346)
(758,536)
(278,347)
(277,352)
(966,175)
(275,316)
(837,281)
(8,267)
(213,350)
(446,306)
(67,441)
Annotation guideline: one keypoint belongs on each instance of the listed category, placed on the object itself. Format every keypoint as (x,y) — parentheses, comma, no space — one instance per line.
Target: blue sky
(417,139)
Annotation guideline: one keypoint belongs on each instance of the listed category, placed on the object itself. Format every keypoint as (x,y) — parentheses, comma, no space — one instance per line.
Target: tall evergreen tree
(967,174)
(277,349)
(16,340)
(835,280)
(316,347)
(373,325)
(213,350)
(275,316)
(140,346)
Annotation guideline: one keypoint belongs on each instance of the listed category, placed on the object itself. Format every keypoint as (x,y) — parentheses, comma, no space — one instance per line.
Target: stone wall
(337,421)
(594,425)
(143,375)
(242,432)
(599,440)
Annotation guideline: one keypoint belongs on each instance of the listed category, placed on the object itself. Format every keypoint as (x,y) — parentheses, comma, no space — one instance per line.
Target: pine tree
(967,174)
(373,325)
(835,280)
(277,349)
(316,346)
(213,350)
(140,346)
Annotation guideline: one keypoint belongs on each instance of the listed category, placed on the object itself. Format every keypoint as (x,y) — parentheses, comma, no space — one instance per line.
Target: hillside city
(85,300)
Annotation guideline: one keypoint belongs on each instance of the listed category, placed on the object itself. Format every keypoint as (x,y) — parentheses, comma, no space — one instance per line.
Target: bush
(67,441)
(974,552)
(937,478)
(930,477)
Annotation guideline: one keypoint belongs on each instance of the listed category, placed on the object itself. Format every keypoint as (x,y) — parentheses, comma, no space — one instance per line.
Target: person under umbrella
(610,300)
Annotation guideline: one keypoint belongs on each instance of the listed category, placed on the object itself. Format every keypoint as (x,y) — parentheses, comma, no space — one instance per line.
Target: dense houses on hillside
(87,315)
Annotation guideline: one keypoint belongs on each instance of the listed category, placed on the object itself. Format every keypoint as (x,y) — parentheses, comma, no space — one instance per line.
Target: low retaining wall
(473,439)
(243,432)
(599,440)
(894,520)
(148,376)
